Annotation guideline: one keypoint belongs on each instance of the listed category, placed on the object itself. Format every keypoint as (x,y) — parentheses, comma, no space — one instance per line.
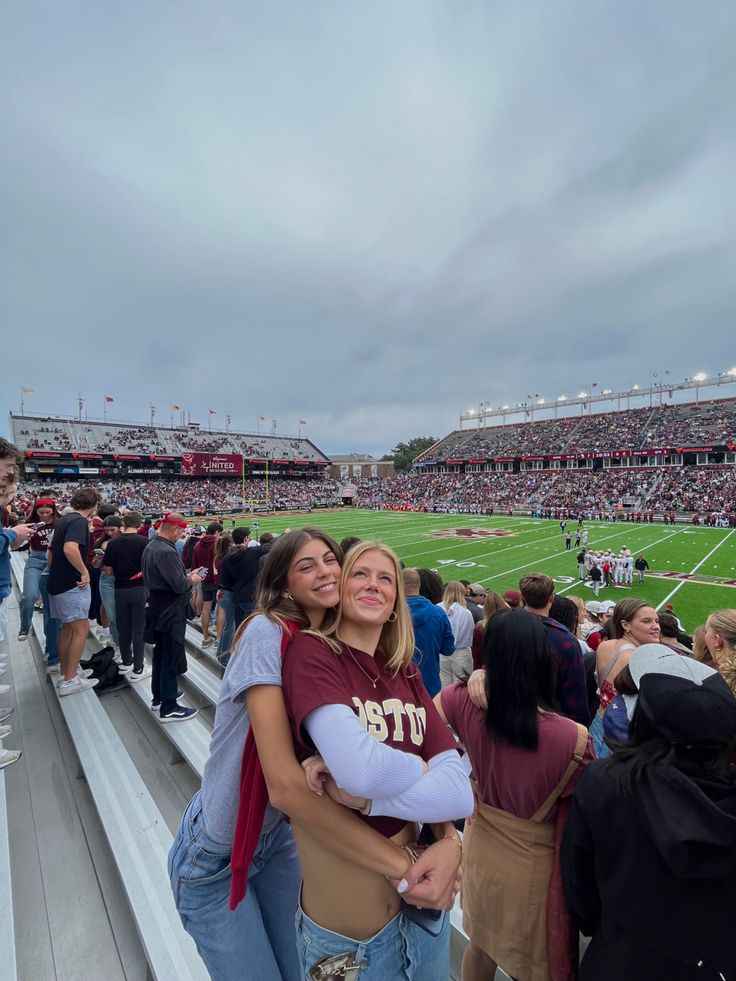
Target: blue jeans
(51,626)
(597,734)
(256,942)
(226,637)
(107,596)
(35,566)
(402,951)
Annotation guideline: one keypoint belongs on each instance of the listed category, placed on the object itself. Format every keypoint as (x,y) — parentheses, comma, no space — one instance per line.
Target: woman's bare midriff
(342,896)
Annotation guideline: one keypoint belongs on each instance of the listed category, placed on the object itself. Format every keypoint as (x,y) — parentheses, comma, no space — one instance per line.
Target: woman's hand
(341,796)
(477,689)
(316,773)
(434,880)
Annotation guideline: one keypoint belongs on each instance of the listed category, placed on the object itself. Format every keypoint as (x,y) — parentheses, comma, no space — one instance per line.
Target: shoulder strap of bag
(574,763)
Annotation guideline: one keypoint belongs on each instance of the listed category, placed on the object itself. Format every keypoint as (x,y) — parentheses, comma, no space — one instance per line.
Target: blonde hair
(454,593)
(582,613)
(397,635)
(723,623)
(493,603)
(700,648)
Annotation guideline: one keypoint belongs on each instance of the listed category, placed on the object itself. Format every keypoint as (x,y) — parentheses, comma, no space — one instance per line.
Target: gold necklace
(360,667)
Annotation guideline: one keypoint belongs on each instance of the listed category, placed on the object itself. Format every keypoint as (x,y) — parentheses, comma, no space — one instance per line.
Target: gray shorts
(70,606)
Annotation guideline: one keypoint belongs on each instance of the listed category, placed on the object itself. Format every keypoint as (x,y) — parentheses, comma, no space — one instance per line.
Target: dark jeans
(241,611)
(51,626)
(164,684)
(130,613)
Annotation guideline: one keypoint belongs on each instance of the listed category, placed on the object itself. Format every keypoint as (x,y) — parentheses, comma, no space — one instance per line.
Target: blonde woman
(458,666)
(720,638)
(493,603)
(355,697)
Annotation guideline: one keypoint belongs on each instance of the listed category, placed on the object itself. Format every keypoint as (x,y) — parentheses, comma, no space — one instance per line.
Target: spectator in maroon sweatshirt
(204,558)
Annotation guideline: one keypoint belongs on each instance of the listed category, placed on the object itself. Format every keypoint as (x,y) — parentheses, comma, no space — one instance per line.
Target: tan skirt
(507,867)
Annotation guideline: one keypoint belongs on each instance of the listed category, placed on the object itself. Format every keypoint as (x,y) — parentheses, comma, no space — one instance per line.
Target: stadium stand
(69,435)
(667,425)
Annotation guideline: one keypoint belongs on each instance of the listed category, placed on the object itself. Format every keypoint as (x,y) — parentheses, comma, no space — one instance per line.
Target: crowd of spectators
(194,495)
(648,428)
(70,435)
(702,490)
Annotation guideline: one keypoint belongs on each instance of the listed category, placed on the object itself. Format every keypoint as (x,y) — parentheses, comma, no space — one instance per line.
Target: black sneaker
(179,713)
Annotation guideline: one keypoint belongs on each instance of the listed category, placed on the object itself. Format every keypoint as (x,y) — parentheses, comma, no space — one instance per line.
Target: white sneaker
(53,669)
(8,756)
(145,673)
(5,731)
(124,668)
(77,685)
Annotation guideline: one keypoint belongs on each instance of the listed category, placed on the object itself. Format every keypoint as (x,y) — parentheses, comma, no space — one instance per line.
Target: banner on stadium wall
(199,464)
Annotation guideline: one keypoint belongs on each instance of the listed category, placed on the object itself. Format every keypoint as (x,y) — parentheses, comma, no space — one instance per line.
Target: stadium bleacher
(36,433)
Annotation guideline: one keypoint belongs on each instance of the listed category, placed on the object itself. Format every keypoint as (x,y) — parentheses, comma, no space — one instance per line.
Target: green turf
(537,545)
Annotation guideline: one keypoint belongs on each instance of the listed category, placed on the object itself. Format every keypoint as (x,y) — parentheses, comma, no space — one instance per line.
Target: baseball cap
(198,530)
(660,659)
(687,712)
(606,606)
(476,588)
(512,597)
(593,606)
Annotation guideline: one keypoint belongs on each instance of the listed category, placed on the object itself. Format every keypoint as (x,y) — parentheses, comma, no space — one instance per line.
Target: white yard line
(694,570)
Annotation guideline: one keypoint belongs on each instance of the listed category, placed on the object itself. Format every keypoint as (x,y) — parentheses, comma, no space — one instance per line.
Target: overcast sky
(370,216)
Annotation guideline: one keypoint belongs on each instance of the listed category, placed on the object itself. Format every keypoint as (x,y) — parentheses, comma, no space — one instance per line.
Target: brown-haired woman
(635,622)
(297,590)
(44,516)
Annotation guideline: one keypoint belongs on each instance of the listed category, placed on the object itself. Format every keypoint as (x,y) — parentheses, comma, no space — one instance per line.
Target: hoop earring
(393,618)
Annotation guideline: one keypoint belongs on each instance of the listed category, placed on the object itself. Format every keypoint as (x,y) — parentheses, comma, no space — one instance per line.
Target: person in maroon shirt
(44,516)
(204,558)
(356,698)
(526,760)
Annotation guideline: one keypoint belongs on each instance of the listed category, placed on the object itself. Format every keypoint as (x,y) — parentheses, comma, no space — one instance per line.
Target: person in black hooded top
(649,852)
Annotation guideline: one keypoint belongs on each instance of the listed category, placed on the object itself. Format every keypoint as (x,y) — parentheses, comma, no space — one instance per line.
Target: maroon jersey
(397,711)
(41,538)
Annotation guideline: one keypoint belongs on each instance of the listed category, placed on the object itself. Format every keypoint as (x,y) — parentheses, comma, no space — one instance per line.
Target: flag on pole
(25,390)
(175,408)
(262,418)
(109,398)
(302,422)
(212,412)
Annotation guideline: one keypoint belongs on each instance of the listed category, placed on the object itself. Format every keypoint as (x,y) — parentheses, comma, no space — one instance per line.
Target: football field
(694,569)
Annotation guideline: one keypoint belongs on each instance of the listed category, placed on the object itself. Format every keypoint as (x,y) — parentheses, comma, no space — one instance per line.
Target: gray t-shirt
(255,661)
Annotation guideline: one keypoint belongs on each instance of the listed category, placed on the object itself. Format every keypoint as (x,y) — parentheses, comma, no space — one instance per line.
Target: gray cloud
(367,217)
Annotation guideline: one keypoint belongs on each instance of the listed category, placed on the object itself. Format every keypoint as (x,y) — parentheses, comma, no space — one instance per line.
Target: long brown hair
(272,599)
(493,603)
(397,635)
(626,609)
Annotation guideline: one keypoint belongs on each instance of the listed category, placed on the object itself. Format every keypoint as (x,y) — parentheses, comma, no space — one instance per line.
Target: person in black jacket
(239,574)
(641,565)
(169,588)
(649,852)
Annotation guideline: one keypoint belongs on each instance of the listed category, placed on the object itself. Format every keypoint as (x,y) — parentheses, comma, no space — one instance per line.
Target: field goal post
(249,503)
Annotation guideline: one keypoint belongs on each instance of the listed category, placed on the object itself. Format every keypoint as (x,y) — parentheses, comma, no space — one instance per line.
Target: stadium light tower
(700,377)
